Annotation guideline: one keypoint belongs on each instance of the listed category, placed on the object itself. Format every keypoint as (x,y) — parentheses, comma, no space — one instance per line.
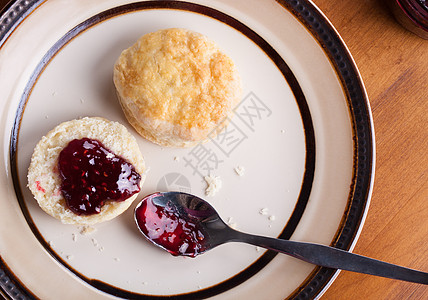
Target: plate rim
(329,39)
(324,33)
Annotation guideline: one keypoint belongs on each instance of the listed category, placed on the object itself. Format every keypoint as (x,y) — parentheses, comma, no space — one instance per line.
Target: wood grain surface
(394,65)
(3,3)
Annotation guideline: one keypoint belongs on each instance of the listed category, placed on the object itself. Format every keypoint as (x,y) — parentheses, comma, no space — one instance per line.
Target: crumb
(74,237)
(272,218)
(144,283)
(199,287)
(177,158)
(258,249)
(214,185)
(263,211)
(54,93)
(282,131)
(46,117)
(85,230)
(82,100)
(94,242)
(51,244)
(198,272)
(231,223)
(240,170)
(270,226)
(70,257)
(117,259)
(101,249)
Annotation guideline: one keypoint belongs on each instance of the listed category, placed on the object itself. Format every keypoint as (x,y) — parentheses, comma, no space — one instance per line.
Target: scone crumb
(70,257)
(264,211)
(240,170)
(74,237)
(272,218)
(231,223)
(94,242)
(86,230)
(177,158)
(214,185)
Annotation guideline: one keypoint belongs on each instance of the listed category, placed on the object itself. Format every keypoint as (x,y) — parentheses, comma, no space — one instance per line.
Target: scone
(91,158)
(176,87)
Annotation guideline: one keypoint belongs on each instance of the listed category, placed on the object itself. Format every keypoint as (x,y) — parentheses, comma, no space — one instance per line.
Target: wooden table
(3,3)
(394,65)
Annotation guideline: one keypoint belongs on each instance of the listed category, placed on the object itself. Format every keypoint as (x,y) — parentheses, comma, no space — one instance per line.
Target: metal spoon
(184,224)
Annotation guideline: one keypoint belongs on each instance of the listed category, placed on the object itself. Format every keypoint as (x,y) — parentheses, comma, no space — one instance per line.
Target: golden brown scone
(44,179)
(176,86)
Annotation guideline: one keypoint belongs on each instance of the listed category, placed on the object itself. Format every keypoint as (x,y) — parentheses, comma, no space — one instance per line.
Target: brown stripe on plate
(357,103)
(282,66)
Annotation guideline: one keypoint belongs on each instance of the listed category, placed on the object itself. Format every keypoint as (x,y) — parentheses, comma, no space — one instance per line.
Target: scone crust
(176,86)
(43,177)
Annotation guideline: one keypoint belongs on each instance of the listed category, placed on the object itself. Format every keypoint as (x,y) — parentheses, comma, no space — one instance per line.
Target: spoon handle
(330,257)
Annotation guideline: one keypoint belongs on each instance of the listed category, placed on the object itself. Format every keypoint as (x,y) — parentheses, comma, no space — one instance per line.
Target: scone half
(44,179)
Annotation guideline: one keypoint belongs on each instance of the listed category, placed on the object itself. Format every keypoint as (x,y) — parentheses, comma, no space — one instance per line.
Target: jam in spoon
(184,224)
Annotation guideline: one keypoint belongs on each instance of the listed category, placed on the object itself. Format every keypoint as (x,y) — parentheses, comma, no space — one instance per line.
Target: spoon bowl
(186,225)
(180,223)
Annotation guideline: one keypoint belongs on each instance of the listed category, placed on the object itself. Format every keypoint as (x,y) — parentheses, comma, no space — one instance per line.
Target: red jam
(163,226)
(91,174)
(412,14)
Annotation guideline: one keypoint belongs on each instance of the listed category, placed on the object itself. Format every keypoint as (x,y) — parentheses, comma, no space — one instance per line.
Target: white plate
(303,132)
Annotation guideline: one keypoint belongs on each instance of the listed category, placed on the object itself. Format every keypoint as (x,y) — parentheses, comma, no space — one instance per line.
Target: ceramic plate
(302,134)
